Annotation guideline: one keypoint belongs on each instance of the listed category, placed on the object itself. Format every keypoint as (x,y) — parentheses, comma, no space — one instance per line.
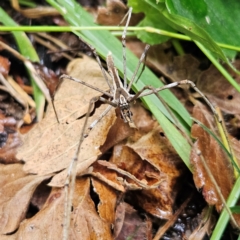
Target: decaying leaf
(72,99)
(219,91)
(50,146)
(215,158)
(16,190)
(108,198)
(143,161)
(85,221)
(156,149)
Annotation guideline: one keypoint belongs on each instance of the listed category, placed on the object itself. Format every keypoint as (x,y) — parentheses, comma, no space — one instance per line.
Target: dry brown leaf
(156,149)
(16,190)
(85,222)
(108,199)
(49,147)
(145,161)
(215,158)
(72,99)
(162,60)
(219,91)
(110,177)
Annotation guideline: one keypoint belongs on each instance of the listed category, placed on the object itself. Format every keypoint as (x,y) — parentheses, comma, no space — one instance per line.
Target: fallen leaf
(219,91)
(85,221)
(214,157)
(72,98)
(144,161)
(108,198)
(16,191)
(158,152)
(50,146)
(162,60)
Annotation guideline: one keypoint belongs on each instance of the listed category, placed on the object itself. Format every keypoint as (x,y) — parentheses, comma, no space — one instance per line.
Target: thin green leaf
(215,17)
(104,42)
(153,19)
(224,217)
(235,209)
(28,51)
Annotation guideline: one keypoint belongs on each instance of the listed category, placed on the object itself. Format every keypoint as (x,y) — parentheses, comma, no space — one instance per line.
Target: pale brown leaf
(72,98)
(50,146)
(108,199)
(85,222)
(16,190)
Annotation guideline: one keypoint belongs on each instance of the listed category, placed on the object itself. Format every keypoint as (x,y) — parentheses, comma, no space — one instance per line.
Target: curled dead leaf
(108,198)
(214,157)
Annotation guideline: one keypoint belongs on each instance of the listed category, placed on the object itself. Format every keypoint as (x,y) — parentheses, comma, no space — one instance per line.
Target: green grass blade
(104,42)
(224,217)
(28,51)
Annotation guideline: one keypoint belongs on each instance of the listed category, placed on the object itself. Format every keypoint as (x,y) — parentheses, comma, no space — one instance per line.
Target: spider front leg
(156,91)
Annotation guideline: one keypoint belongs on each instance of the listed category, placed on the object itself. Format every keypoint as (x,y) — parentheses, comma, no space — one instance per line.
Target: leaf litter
(46,151)
(132,170)
(216,159)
